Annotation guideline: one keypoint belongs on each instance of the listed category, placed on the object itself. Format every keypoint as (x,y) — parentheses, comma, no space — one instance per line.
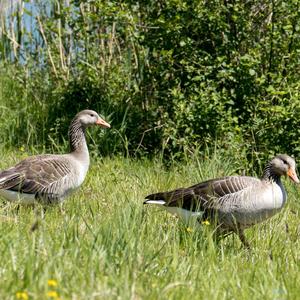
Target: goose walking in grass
(49,178)
(233,203)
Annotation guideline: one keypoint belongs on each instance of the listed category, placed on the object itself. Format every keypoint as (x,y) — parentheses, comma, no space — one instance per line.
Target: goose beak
(102,123)
(292,174)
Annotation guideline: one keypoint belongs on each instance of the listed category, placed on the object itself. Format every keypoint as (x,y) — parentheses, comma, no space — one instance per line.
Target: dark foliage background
(171,76)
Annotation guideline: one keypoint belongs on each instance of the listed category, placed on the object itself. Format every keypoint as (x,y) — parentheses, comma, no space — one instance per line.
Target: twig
(11,39)
(143,135)
(12,24)
(46,43)
(112,38)
(60,39)
(89,65)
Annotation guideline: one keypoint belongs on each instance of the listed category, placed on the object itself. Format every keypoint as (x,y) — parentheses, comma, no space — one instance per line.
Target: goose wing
(210,194)
(39,175)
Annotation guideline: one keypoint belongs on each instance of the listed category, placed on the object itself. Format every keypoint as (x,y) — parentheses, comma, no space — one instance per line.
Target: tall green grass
(104,244)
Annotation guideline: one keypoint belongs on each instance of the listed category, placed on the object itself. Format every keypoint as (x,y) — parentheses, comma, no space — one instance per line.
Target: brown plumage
(49,178)
(233,203)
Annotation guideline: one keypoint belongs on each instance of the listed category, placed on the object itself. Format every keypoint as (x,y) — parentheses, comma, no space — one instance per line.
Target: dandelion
(52,282)
(189,229)
(22,295)
(206,222)
(52,294)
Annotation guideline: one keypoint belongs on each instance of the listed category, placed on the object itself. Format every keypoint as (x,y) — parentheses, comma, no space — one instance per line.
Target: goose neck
(77,137)
(270,175)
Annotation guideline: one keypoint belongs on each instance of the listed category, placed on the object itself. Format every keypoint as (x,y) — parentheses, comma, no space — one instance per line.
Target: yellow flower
(22,295)
(206,222)
(22,149)
(189,229)
(52,282)
(52,294)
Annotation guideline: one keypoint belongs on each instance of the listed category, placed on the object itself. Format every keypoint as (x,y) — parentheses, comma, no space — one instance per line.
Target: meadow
(193,90)
(104,244)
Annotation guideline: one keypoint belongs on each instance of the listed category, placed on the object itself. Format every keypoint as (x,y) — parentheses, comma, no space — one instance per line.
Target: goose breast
(252,205)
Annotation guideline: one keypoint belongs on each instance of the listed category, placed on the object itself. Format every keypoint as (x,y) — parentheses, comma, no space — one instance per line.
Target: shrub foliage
(169,75)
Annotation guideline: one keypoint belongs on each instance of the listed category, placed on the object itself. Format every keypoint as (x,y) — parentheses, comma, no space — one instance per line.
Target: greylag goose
(233,203)
(49,178)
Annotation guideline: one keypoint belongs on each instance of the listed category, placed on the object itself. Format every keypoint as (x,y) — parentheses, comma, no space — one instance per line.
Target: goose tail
(157,198)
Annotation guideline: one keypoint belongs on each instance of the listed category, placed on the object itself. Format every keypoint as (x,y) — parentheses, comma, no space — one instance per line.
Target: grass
(106,245)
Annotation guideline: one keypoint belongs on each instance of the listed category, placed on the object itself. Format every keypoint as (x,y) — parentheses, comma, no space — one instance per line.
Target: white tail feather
(3,179)
(159,202)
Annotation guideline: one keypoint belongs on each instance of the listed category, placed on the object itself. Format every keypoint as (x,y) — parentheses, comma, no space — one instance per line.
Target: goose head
(89,117)
(283,164)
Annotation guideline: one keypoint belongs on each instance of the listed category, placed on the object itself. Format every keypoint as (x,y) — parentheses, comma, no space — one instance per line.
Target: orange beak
(292,174)
(102,123)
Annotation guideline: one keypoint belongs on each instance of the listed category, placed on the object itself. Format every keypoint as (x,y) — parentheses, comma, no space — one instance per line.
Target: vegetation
(195,90)
(171,76)
(106,245)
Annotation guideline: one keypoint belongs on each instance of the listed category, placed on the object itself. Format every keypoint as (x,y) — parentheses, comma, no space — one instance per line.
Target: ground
(104,244)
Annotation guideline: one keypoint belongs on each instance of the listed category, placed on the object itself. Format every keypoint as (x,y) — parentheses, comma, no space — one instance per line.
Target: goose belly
(80,171)
(255,207)
(185,215)
(18,197)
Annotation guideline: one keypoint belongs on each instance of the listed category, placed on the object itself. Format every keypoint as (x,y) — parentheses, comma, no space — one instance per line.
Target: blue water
(31,36)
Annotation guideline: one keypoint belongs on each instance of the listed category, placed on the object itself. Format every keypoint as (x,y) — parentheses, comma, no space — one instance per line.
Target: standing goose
(233,202)
(50,178)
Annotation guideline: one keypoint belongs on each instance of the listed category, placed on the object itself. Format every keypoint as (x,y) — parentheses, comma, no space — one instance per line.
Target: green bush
(171,76)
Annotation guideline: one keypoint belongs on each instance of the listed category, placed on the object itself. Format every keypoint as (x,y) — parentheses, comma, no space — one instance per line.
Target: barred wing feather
(36,175)
(206,195)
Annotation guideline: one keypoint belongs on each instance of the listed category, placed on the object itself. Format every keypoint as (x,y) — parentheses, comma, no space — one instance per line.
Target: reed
(44,63)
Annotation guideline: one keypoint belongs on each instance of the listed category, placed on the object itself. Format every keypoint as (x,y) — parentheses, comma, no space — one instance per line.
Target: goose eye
(91,115)
(285,162)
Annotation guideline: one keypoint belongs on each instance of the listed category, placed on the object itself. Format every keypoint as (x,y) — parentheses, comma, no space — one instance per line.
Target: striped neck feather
(77,136)
(270,175)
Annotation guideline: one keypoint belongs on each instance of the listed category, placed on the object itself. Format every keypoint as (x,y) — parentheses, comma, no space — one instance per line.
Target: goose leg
(243,238)
(61,209)
(221,233)
(39,215)
(240,232)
